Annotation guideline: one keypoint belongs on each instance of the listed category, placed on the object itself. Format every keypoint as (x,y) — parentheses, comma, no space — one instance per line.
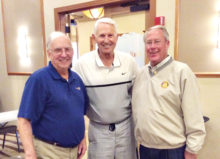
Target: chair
(9,129)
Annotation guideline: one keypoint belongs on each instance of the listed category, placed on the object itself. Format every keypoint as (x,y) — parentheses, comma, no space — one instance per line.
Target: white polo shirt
(108,88)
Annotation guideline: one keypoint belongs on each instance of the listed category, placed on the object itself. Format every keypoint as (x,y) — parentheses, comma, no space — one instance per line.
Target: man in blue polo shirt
(54,101)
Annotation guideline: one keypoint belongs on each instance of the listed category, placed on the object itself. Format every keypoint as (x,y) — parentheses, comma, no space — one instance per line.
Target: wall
(49,6)
(199,23)
(167,8)
(11,87)
(210,87)
(125,23)
(210,91)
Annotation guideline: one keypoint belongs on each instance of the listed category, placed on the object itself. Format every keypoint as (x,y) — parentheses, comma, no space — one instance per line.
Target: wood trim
(149,20)
(92,43)
(20,73)
(208,74)
(5,37)
(176,40)
(90,4)
(59,12)
(43,31)
(152,13)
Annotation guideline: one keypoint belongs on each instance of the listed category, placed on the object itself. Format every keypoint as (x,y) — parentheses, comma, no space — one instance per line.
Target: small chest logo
(78,88)
(164,84)
(123,73)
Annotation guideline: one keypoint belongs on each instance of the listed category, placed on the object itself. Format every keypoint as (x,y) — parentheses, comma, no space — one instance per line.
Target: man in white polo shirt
(108,75)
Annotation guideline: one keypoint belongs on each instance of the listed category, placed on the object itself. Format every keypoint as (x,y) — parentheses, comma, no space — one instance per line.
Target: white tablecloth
(8,116)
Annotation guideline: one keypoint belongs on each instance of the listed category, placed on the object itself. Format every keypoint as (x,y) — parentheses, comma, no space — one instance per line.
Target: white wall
(167,8)
(210,88)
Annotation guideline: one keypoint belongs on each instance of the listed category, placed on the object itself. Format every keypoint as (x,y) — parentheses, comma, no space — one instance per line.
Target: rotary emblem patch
(164,84)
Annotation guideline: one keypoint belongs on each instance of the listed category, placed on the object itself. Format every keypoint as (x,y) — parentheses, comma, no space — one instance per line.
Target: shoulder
(182,70)
(125,58)
(75,75)
(84,62)
(38,78)
(41,73)
(124,55)
(141,71)
(180,66)
(86,57)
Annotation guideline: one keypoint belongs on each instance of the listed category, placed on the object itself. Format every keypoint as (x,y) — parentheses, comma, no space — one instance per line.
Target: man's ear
(117,35)
(49,53)
(93,37)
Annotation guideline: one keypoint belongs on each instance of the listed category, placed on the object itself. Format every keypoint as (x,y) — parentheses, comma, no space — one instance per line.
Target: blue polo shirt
(55,106)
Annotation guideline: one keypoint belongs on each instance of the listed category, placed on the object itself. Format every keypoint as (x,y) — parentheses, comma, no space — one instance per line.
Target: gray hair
(107,21)
(159,27)
(55,35)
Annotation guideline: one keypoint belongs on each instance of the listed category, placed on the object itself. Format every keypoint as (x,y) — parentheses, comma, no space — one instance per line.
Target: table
(8,116)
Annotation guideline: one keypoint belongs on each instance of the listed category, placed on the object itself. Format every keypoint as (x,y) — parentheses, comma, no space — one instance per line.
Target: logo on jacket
(78,88)
(164,84)
(123,73)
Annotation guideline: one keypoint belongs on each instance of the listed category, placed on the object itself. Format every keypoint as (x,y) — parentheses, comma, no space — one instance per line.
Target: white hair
(107,21)
(55,35)
(159,27)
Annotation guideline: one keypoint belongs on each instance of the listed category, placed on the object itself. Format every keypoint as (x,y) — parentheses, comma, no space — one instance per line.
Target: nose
(64,52)
(152,45)
(106,39)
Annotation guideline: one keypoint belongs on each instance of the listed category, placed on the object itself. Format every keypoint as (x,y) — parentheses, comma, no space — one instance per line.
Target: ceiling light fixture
(94,13)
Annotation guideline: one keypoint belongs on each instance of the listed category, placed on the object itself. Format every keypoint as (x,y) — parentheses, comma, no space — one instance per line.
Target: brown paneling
(176,42)
(152,14)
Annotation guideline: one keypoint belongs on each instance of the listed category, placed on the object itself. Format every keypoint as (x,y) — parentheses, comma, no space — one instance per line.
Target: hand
(82,147)
(30,155)
(189,155)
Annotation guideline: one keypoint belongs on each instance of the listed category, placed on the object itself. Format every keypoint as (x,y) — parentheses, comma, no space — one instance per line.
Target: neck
(107,58)
(64,74)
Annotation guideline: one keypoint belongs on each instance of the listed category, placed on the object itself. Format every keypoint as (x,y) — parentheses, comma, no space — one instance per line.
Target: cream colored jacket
(166,107)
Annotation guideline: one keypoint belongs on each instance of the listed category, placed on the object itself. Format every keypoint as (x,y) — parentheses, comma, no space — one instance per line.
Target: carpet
(10,150)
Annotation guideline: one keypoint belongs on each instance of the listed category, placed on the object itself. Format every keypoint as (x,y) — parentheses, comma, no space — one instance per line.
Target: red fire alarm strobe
(159,20)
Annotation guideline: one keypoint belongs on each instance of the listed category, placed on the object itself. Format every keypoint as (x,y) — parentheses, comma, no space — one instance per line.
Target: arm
(82,147)
(193,119)
(189,155)
(25,131)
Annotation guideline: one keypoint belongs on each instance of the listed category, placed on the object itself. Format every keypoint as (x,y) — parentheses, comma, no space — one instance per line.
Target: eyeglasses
(66,50)
(155,42)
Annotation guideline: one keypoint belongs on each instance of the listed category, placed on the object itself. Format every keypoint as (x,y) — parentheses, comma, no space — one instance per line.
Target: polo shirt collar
(155,69)
(116,62)
(56,75)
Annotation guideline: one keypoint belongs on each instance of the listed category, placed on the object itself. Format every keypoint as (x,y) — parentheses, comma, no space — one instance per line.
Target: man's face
(156,46)
(106,38)
(61,53)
